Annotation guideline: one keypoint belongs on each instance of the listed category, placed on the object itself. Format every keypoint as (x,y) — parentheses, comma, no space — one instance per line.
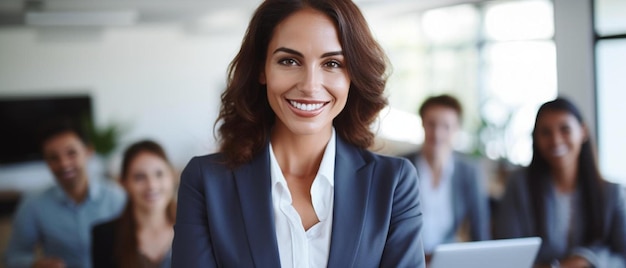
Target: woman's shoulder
(210,162)
(209,159)
(103,233)
(350,151)
(206,169)
(389,164)
(614,191)
(383,159)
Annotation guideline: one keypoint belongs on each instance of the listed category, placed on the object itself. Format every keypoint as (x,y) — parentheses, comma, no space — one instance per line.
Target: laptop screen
(503,253)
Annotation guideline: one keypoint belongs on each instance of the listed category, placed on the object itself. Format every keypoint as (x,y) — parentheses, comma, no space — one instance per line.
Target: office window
(610,24)
(497,57)
(609,17)
(519,20)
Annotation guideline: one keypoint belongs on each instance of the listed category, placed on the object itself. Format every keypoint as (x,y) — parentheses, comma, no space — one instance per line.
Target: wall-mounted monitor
(22,116)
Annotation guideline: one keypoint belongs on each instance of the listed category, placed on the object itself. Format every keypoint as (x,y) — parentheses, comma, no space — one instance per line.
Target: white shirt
(299,248)
(436,204)
(562,221)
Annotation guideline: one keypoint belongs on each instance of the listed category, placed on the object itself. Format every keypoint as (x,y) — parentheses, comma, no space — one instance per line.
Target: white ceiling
(13,12)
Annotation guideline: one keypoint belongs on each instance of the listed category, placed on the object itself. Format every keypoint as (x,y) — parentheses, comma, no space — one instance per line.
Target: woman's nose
(555,139)
(153,183)
(311,81)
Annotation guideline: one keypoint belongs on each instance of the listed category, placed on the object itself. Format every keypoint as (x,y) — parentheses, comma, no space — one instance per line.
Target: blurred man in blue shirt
(59,219)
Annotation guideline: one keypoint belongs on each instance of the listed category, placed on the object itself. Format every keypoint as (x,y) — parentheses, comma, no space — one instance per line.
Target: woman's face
(559,137)
(305,73)
(149,182)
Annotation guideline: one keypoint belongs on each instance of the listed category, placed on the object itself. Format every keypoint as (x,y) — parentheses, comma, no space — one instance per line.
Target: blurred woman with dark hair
(562,198)
(142,236)
(293,184)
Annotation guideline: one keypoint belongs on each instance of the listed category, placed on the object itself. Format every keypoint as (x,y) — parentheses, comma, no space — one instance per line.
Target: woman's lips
(307,108)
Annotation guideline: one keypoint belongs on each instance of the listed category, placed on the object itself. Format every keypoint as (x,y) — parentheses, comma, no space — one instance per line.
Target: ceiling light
(81,18)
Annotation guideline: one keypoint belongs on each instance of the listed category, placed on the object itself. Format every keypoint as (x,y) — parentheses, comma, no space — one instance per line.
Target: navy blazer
(225,216)
(470,200)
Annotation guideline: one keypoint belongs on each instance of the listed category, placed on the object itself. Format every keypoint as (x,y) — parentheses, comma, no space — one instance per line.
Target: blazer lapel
(414,158)
(352,186)
(457,194)
(255,194)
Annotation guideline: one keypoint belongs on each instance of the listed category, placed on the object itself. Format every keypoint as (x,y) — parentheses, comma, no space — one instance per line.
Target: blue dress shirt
(60,226)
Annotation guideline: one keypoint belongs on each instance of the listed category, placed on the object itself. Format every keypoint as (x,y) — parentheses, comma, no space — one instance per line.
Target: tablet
(503,253)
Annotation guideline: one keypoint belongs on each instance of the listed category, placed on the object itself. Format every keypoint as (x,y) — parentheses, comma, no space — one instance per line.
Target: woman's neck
(155,233)
(299,155)
(565,178)
(151,219)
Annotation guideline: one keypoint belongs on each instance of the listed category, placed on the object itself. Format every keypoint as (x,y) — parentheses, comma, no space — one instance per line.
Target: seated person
(562,198)
(451,185)
(142,236)
(60,218)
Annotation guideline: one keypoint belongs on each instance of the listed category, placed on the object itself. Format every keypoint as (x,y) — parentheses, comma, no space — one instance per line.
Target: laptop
(503,253)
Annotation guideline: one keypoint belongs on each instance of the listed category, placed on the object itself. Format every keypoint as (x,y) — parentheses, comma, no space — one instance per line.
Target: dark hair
(126,245)
(444,100)
(60,125)
(245,113)
(589,180)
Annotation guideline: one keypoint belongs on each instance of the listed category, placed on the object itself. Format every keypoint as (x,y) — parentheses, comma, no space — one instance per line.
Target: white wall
(161,80)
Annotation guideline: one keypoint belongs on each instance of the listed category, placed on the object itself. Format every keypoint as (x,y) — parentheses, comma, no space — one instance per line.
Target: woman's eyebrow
(288,50)
(291,51)
(330,54)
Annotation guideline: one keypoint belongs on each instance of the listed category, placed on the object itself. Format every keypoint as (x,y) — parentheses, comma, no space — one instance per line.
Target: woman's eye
(566,129)
(289,62)
(333,64)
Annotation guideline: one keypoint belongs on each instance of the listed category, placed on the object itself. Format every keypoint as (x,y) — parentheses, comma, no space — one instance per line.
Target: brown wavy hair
(245,115)
(589,179)
(126,250)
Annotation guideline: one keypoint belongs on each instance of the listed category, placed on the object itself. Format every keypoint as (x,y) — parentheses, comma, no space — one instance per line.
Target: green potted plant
(104,140)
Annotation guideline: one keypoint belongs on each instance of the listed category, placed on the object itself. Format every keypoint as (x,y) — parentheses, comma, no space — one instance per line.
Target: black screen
(21,118)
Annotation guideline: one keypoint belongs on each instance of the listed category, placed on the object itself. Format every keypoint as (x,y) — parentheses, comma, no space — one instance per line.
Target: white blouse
(299,248)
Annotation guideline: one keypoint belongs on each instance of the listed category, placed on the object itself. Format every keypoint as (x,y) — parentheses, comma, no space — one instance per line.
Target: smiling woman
(307,83)
(142,236)
(562,197)
(292,185)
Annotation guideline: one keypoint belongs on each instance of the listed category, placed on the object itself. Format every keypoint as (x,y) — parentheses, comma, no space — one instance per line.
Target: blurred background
(135,69)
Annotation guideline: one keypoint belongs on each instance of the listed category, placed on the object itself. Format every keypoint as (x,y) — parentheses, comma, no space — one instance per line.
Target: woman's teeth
(559,151)
(306,107)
